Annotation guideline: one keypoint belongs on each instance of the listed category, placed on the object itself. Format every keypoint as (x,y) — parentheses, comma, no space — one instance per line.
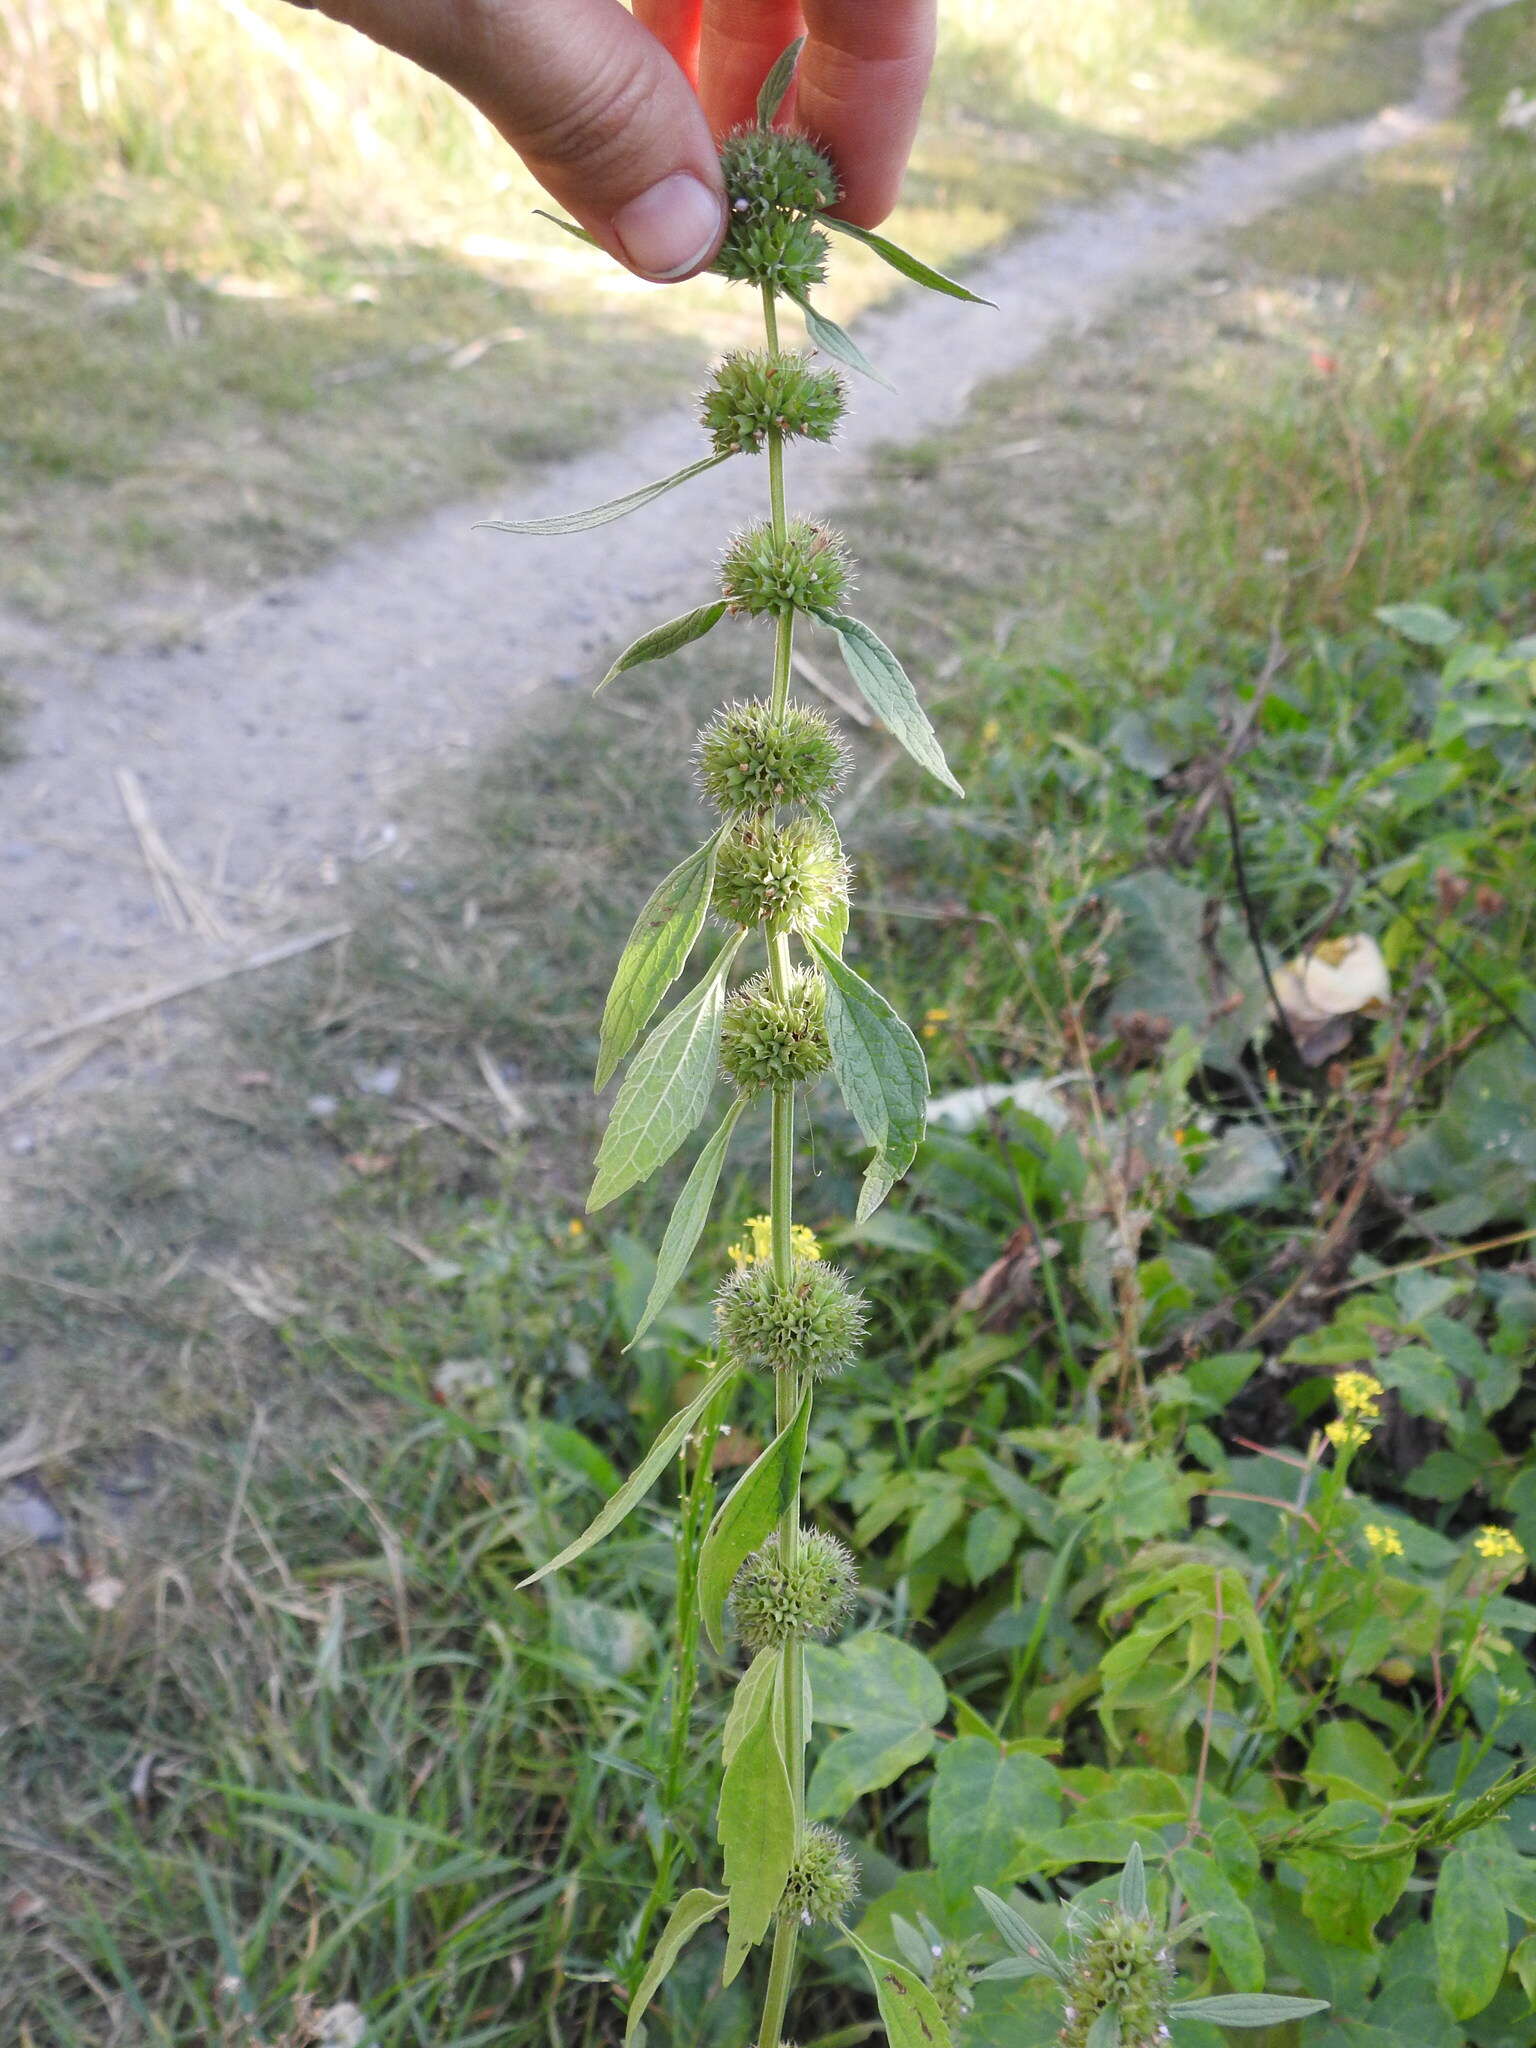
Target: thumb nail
(670,229)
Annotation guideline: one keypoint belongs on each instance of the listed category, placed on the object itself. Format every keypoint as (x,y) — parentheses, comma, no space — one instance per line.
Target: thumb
(592,103)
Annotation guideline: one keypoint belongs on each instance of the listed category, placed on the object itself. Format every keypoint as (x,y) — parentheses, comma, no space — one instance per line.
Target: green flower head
(805,569)
(823,1880)
(753,393)
(772,1042)
(772,1602)
(814,1325)
(749,759)
(788,877)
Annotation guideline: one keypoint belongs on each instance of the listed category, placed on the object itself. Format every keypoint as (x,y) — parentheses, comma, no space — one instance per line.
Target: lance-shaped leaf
(654,954)
(903,260)
(881,1071)
(756,1824)
(615,508)
(748,1516)
(832,341)
(642,1479)
(1031,1953)
(570,227)
(666,1088)
(1247,2009)
(832,925)
(693,1910)
(1105,2031)
(887,690)
(759,1677)
(908,2009)
(1132,1897)
(687,1222)
(664,640)
(776,85)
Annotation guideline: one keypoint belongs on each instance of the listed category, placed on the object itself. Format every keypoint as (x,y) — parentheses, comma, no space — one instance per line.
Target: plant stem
(788,1392)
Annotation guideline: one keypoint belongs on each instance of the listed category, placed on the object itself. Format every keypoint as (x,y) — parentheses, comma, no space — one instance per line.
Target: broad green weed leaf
(1030,1950)
(1247,2009)
(983,1800)
(881,1071)
(889,1697)
(832,341)
(693,1910)
(664,640)
(1105,2031)
(748,1515)
(655,952)
(615,508)
(687,1221)
(909,265)
(1470,1927)
(1424,624)
(756,1824)
(665,1090)
(776,85)
(1226,1925)
(908,2009)
(641,1480)
(888,691)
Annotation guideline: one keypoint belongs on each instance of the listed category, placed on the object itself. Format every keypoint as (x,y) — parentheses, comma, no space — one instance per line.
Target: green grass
(206,376)
(378,1772)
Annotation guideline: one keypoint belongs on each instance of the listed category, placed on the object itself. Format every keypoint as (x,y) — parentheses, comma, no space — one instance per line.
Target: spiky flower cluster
(773,1601)
(803,569)
(814,1325)
(788,877)
(769,1041)
(823,1880)
(749,759)
(755,392)
(768,170)
(1122,1962)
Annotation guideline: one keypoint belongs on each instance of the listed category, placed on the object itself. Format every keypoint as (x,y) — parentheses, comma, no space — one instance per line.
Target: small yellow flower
(756,1245)
(1347,1436)
(990,732)
(575,1228)
(932,1019)
(1384,1542)
(1359,1394)
(1500,1544)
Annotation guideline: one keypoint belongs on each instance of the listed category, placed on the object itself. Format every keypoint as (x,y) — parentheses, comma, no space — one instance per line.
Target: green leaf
(1349,1762)
(832,341)
(746,1701)
(909,2011)
(1105,2031)
(776,85)
(666,1088)
(1247,2009)
(881,1071)
(570,228)
(748,1516)
(600,515)
(642,1478)
(1425,624)
(983,1801)
(1131,1895)
(687,1221)
(888,691)
(756,1824)
(908,264)
(1226,1925)
(1028,1947)
(655,952)
(664,640)
(693,1910)
(832,926)
(889,1697)
(1470,1926)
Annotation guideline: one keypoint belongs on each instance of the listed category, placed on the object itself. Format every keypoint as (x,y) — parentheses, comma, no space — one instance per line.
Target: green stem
(780,1973)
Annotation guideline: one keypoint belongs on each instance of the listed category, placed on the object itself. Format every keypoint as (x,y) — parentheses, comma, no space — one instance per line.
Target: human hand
(612,112)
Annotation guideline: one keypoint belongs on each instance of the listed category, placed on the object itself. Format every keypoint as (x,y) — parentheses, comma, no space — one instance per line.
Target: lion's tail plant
(773,869)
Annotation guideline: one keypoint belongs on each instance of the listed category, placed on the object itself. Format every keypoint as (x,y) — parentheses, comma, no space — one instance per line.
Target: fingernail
(669,230)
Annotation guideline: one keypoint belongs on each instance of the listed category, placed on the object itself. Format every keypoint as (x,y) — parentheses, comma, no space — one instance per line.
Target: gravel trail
(282,743)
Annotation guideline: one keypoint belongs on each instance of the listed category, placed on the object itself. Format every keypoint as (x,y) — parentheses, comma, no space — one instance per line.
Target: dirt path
(281,745)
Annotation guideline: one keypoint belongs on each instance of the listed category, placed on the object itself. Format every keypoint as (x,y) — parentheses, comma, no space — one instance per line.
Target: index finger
(859,93)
